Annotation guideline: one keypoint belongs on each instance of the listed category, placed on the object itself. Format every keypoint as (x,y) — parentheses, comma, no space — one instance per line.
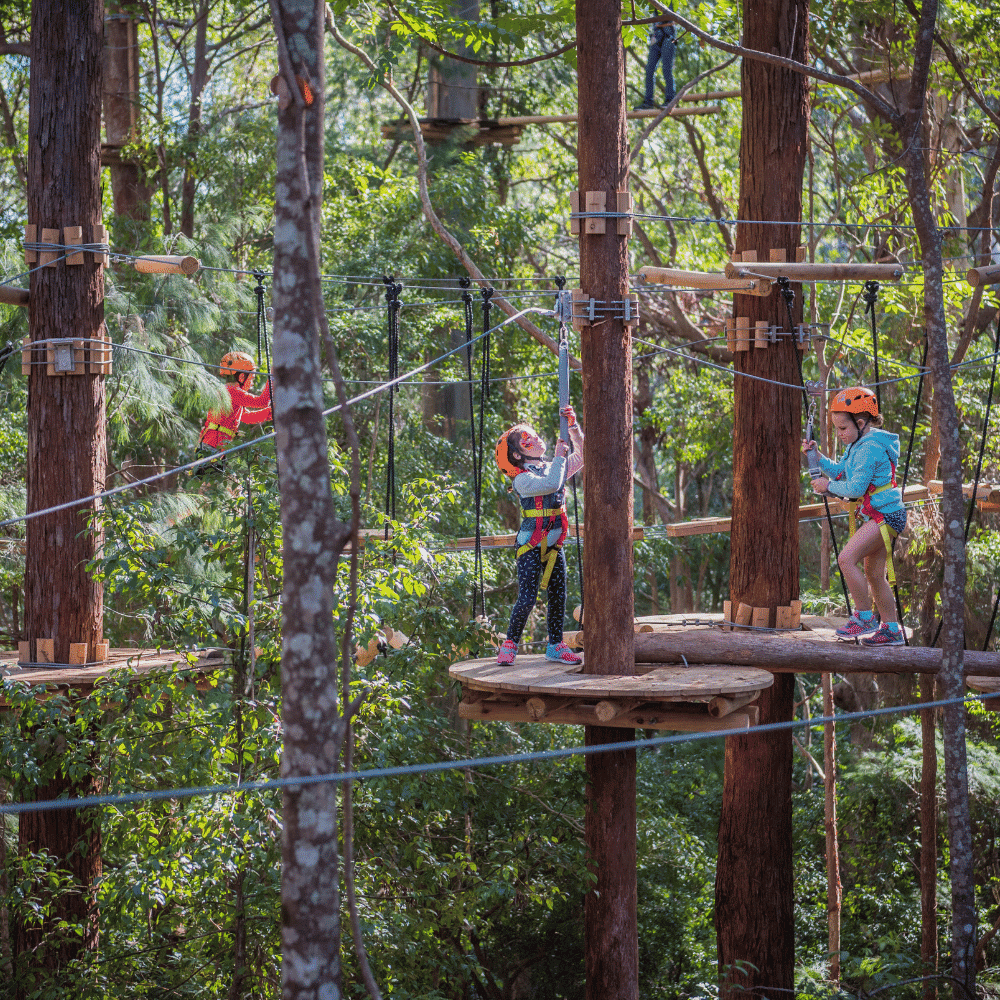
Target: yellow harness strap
(222,430)
(888,534)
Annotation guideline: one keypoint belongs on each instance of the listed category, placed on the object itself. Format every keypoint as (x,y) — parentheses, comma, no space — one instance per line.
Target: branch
(15,49)
(884,109)
(491,63)
(436,224)
(959,69)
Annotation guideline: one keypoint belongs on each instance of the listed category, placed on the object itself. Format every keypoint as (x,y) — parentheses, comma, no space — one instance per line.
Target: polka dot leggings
(529,573)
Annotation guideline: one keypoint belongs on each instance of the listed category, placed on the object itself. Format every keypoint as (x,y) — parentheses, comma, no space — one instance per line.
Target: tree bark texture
(611,936)
(121,113)
(950,679)
(199,77)
(66,414)
(754,905)
(928,839)
(834,889)
(313,536)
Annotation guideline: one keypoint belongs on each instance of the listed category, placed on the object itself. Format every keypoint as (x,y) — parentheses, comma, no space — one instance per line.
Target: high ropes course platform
(693,673)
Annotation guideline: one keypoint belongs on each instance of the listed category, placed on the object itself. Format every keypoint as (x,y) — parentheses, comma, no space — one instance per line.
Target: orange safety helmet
(855,400)
(502,453)
(236,361)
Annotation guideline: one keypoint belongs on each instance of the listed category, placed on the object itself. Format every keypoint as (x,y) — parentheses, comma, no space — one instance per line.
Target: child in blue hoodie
(866,475)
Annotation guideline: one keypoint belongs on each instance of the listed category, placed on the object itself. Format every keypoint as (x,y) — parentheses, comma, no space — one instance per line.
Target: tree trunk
(121,113)
(754,905)
(199,77)
(951,683)
(834,889)
(313,536)
(928,839)
(66,441)
(610,920)
(451,85)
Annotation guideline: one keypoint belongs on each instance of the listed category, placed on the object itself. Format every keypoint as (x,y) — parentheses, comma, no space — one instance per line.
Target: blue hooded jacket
(867,463)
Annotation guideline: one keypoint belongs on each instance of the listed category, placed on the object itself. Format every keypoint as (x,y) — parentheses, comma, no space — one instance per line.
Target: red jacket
(220,428)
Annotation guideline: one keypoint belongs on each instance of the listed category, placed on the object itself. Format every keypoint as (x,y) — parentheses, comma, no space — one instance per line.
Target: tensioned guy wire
(201,791)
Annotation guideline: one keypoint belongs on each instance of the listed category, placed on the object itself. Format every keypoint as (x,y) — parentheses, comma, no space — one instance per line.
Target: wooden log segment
(815,272)
(166,264)
(671,718)
(990,275)
(10,296)
(703,279)
(780,654)
(722,705)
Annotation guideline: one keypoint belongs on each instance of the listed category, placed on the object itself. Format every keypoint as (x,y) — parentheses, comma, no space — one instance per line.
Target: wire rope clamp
(64,357)
(563,310)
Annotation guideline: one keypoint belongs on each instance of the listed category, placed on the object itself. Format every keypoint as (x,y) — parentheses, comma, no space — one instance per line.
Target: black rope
(916,413)
(871,297)
(996,603)
(262,340)
(975,481)
(788,294)
(484,391)
(5,353)
(393,305)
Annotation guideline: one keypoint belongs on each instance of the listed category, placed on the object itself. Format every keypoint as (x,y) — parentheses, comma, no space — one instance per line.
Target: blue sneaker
(561,654)
(888,634)
(859,624)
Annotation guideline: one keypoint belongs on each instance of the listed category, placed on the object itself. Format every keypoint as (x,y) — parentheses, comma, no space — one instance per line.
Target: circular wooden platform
(686,699)
(986,685)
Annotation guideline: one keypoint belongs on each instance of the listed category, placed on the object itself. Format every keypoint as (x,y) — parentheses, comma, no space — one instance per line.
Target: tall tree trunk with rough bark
(199,77)
(610,920)
(121,114)
(950,679)
(754,905)
(313,537)
(66,417)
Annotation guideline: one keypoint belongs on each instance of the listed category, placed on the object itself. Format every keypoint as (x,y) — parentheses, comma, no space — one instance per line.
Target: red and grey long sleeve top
(221,427)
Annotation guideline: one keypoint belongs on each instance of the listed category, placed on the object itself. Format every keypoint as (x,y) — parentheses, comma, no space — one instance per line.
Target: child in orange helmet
(540,487)
(221,426)
(867,476)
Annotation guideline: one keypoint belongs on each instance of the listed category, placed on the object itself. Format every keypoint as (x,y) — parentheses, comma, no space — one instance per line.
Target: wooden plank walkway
(136,662)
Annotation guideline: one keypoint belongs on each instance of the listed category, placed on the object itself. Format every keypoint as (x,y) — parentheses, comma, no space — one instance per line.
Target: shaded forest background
(471,884)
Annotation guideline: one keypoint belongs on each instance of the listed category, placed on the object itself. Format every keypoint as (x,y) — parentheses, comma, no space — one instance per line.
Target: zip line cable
(208,459)
(203,791)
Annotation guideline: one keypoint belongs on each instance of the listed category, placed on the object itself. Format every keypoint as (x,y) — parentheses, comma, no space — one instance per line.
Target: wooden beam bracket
(588,311)
(595,214)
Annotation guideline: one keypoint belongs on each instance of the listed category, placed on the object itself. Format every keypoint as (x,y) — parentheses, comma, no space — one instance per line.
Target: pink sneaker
(857,627)
(561,654)
(506,652)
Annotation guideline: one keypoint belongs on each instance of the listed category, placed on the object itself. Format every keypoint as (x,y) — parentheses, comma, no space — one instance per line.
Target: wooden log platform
(986,685)
(137,662)
(682,699)
(814,650)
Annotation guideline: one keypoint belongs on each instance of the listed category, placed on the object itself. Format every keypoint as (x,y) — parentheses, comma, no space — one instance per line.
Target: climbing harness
(545,521)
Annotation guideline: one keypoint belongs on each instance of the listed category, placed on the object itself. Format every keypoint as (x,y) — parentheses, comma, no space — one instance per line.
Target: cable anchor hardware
(814,390)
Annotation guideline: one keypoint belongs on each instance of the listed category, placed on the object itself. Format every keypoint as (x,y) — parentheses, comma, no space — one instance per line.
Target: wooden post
(754,904)
(610,923)
(66,417)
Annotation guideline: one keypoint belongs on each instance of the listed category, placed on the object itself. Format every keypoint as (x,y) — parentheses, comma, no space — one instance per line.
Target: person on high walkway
(662,47)
(866,476)
(540,487)
(221,426)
